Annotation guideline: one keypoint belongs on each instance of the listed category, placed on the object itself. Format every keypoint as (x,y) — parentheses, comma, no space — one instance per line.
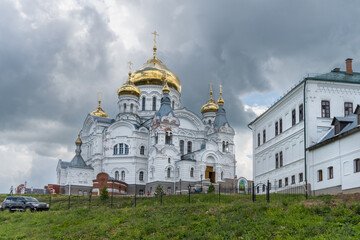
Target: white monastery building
(311,136)
(153,140)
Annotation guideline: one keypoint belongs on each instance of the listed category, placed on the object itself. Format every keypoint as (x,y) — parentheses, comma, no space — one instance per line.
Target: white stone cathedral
(153,140)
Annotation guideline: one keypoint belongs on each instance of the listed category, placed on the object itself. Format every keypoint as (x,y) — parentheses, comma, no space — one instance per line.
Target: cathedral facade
(153,140)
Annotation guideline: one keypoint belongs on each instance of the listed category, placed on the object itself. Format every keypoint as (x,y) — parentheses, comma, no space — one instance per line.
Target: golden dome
(129,88)
(220,100)
(151,74)
(99,111)
(211,105)
(78,140)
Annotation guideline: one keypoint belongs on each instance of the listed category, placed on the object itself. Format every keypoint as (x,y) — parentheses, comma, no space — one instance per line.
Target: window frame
(293,180)
(281,159)
(357,165)
(264,136)
(143,107)
(293,117)
(259,140)
(301,177)
(189,146)
(280,183)
(330,172)
(320,175)
(276,128)
(301,112)
(182,147)
(286,181)
(141,176)
(348,110)
(142,150)
(325,108)
(154,103)
(276,160)
(280,126)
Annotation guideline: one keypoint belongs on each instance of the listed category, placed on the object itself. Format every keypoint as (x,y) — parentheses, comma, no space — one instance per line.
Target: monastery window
(357,165)
(280,123)
(168,138)
(143,103)
(293,179)
(257,189)
(301,177)
(131,108)
(258,139)
(156,139)
(141,176)
(325,109)
(348,108)
(209,121)
(117,175)
(154,104)
(320,176)
(182,147)
(276,160)
(222,175)
(142,150)
(141,192)
(276,128)
(301,112)
(169,160)
(330,172)
(281,159)
(124,107)
(293,114)
(122,175)
(121,149)
(280,183)
(286,181)
(192,172)
(264,136)
(189,147)
(168,172)
(172,104)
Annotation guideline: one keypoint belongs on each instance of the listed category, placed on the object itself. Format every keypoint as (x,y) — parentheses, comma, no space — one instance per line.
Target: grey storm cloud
(53,62)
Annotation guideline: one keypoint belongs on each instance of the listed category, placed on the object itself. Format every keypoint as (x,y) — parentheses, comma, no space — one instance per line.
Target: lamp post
(201,176)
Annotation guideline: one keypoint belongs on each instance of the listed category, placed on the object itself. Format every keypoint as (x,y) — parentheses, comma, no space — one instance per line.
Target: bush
(211,188)
(104,194)
(159,190)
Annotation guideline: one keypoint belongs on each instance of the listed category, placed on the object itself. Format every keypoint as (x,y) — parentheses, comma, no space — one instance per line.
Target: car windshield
(31,199)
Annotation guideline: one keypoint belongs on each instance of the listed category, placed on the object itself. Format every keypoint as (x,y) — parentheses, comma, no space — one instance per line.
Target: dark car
(16,203)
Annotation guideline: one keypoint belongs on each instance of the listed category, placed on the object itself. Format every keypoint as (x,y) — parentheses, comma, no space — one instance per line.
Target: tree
(104,194)
(158,190)
(211,188)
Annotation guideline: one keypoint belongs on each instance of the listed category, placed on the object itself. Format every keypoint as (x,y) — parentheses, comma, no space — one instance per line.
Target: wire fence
(221,195)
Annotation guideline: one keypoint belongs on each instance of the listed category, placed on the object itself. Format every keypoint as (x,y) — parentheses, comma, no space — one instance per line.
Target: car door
(12,203)
(20,203)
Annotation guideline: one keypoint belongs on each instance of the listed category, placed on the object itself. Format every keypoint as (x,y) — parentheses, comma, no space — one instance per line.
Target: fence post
(253,192)
(219,193)
(90,193)
(267,192)
(69,202)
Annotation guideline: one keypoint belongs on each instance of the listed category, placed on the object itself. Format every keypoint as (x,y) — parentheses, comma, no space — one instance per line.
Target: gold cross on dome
(220,88)
(99,94)
(130,64)
(211,86)
(155,34)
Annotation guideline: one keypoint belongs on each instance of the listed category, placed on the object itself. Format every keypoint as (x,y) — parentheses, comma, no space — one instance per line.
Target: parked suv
(16,203)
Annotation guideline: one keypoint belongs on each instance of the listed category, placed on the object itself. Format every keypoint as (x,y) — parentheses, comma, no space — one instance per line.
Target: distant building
(284,134)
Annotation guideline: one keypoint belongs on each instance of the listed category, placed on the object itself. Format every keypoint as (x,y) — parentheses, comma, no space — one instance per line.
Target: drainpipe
(305,164)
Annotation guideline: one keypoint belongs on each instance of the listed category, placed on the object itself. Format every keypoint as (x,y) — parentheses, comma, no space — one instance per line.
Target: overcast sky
(56,55)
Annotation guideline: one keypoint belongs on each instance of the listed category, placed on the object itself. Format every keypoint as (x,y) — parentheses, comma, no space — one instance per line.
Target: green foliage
(104,194)
(211,188)
(159,190)
(236,217)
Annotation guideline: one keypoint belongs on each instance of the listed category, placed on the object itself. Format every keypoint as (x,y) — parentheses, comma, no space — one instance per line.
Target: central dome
(152,72)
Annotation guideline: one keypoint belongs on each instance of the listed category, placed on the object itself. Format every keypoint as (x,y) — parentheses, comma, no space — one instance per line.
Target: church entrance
(210,174)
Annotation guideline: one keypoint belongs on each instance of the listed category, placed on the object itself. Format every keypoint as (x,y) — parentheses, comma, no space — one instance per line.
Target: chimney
(349,66)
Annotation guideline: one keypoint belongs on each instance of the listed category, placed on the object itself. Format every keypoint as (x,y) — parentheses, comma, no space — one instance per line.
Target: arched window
(168,172)
(223,146)
(222,175)
(154,104)
(189,147)
(131,107)
(122,175)
(117,175)
(141,176)
(192,172)
(172,104)
(227,147)
(209,121)
(142,150)
(168,138)
(124,107)
(116,149)
(156,139)
(182,147)
(121,149)
(169,160)
(143,103)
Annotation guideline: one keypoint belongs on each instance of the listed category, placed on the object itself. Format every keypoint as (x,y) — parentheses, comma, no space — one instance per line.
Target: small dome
(220,100)
(129,88)
(78,140)
(151,74)
(99,112)
(211,105)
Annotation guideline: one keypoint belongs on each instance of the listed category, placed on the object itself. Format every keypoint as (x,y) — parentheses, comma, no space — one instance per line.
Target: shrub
(104,194)
(211,188)
(158,190)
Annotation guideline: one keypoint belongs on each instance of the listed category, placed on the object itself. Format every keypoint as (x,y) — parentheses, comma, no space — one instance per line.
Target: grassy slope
(235,218)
